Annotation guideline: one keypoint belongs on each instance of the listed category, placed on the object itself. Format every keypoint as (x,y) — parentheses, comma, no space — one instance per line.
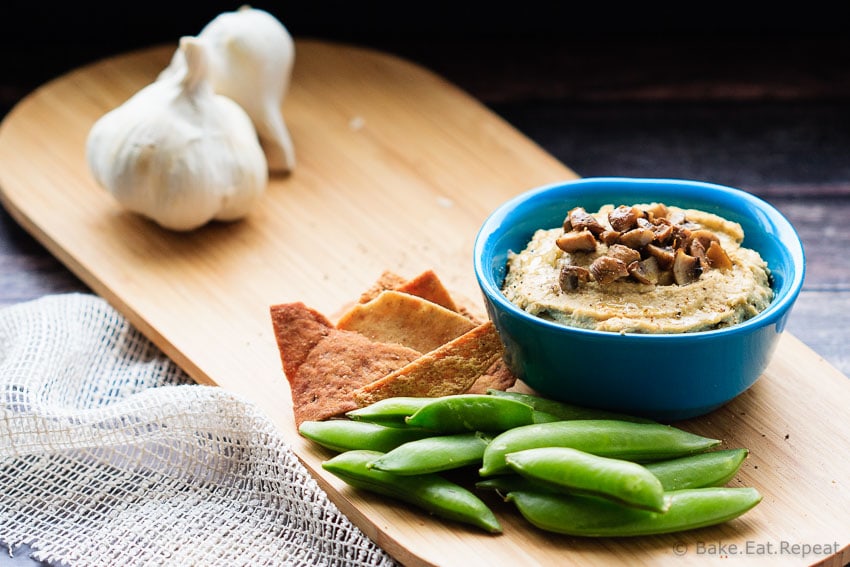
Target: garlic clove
(251,60)
(178,153)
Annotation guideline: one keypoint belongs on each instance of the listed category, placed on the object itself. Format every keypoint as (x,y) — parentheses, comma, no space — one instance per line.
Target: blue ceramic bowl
(667,377)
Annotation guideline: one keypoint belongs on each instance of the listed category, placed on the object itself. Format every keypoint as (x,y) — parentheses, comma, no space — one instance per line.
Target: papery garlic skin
(177,152)
(251,59)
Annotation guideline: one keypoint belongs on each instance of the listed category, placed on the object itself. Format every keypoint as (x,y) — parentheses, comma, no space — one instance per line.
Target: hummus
(733,292)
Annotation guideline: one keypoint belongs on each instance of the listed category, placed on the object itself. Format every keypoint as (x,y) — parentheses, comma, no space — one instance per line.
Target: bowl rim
(778,308)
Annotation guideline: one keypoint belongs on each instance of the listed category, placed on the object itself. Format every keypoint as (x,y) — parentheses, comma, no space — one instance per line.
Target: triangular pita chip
(450,369)
(497,377)
(428,286)
(397,317)
(297,329)
(325,365)
(387,280)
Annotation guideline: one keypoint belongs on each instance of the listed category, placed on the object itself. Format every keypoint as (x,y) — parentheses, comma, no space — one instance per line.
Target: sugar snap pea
(345,435)
(389,410)
(564,410)
(712,468)
(472,412)
(603,437)
(575,471)
(589,516)
(430,492)
(434,454)
(505,483)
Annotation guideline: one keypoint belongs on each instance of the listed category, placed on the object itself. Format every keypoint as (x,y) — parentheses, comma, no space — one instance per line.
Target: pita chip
(397,317)
(450,369)
(297,329)
(497,377)
(387,280)
(428,286)
(325,365)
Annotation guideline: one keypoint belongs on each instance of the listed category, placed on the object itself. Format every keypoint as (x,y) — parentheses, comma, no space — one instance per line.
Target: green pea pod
(575,471)
(389,411)
(564,410)
(543,417)
(594,517)
(394,411)
(430,492)
(603,437)
(506,483)
(713,468)
(345,435)
(434,454)
(472,412)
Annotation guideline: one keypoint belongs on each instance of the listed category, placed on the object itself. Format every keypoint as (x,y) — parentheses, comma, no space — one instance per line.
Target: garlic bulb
(251,60)
(179,153)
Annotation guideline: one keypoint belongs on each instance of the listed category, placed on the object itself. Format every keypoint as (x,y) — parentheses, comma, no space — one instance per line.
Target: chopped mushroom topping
(657,211)
(624,218)
(643,222)
(606,269)
(637,237)
(645,271)
(575,241)
(580,219)
(664,254)
(677,217)
(609,237)
(700,237)
(717,257)
(697,250)
(680,236)
(624,253)
(663,230)
(652,246)
(571,277)
(686,268)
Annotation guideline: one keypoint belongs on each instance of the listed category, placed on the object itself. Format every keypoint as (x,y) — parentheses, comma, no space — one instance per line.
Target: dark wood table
(770,115)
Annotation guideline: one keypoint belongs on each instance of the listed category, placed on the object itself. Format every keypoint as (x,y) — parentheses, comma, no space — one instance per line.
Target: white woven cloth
(111,455)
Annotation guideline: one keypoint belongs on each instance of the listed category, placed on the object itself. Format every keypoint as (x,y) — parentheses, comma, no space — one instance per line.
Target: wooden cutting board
(396,170)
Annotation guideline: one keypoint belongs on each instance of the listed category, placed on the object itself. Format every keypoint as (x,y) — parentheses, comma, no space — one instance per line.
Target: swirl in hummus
(646,268)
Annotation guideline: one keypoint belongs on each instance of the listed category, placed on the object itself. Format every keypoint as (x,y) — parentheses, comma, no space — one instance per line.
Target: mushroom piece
(644,222)
(637,237)
(680,236)
(663,231)
(697,250)
(664,254)
(656,211)
(686,268)
(677,217)
(701,237)
(624,218)
(717,257)
(580,219)
(624,253)
(606,269)
(571,277)
(645,271)
(577,241)
(609,237)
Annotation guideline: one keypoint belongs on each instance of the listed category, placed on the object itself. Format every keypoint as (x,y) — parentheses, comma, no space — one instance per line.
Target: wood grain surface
(397,169)
(767,112)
